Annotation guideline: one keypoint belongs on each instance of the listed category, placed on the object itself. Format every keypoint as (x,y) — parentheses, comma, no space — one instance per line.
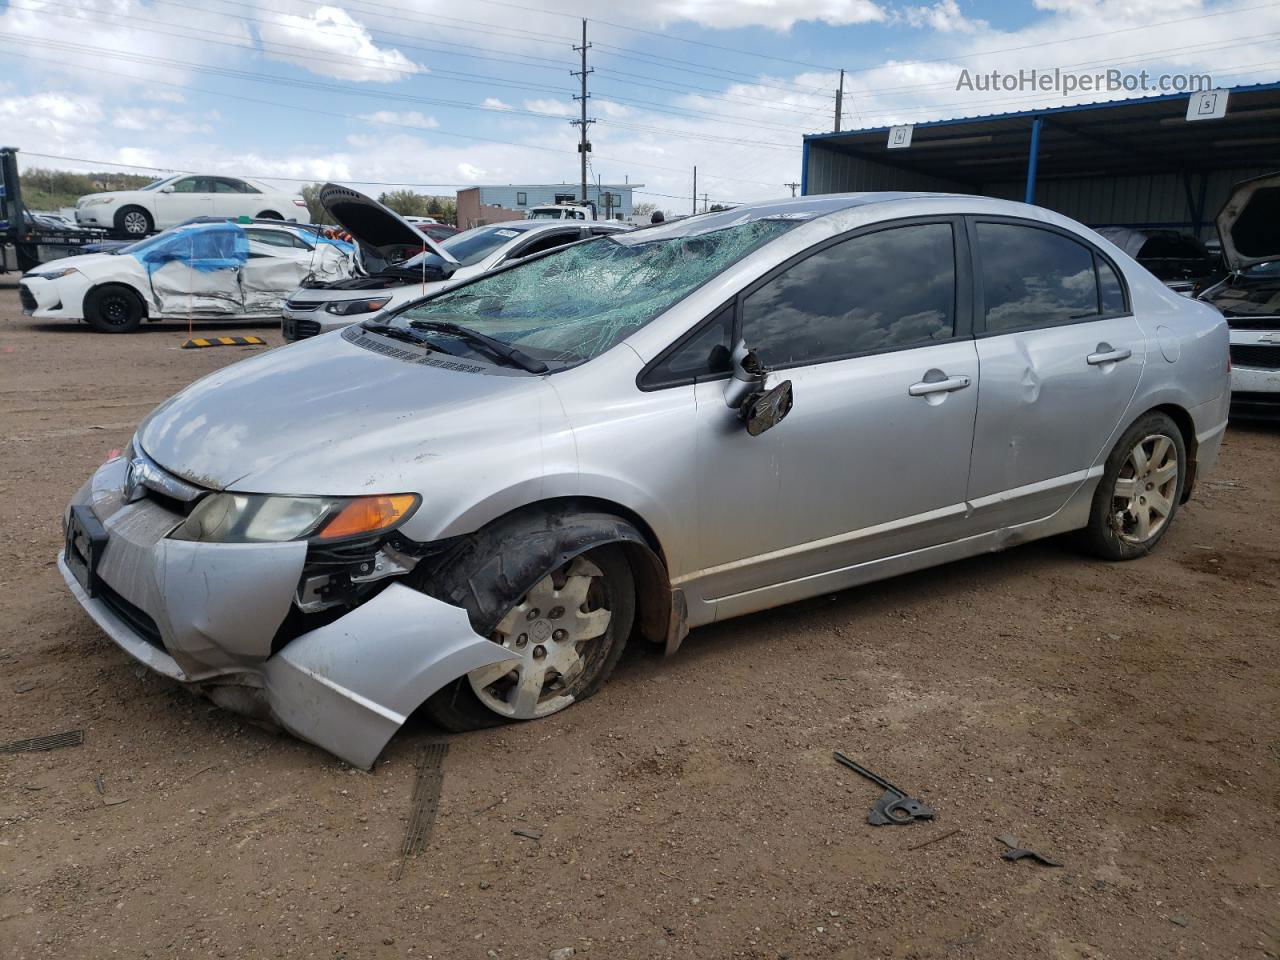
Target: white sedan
(174,200)
(208,271)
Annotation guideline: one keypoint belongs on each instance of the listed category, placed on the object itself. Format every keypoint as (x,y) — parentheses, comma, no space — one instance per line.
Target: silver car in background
(400,264)
(474,504)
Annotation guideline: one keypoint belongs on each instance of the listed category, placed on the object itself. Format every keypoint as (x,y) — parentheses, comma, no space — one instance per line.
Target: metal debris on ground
(196,342)
(941,836)
(896,806)
(1016,852)
(527,834)
(425,802)
(100,785)
(72,738)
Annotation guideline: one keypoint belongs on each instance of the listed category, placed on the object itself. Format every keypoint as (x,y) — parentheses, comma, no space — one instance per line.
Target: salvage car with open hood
(217,270)
(471,505)
(400,264)
(1249,228)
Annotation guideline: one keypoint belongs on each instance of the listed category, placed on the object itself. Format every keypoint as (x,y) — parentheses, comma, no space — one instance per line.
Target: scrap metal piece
(72,738)
(896,806)
(425,802)
(1016,852)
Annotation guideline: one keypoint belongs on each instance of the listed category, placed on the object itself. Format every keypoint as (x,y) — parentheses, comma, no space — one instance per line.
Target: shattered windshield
(578,302)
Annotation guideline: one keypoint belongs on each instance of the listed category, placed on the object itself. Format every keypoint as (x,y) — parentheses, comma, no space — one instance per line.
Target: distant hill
(53,189)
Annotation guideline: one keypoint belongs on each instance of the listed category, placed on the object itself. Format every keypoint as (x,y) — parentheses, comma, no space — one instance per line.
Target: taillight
(299,203)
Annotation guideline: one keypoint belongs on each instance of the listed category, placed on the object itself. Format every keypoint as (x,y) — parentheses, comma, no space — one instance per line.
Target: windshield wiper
(396,333)
(503,351)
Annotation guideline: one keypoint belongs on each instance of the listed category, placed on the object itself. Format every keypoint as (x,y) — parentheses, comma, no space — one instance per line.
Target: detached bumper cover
(347,686)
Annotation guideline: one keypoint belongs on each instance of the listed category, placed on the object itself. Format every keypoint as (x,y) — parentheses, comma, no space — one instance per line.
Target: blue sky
(427,92)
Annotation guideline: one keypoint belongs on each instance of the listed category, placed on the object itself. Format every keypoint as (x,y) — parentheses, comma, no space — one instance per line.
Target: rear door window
(1034,278)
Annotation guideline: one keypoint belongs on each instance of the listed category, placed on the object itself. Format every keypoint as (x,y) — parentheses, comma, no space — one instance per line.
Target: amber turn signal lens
(368,515)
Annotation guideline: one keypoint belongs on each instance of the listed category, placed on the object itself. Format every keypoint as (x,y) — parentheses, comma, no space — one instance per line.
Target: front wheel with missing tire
(1140,490)
(568,632)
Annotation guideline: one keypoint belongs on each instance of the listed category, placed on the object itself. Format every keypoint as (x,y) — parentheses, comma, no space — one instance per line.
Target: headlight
(97,201)
(56,274)
(253,518)
(345,308)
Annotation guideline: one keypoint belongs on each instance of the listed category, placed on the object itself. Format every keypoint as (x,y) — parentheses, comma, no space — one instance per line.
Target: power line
(365,119)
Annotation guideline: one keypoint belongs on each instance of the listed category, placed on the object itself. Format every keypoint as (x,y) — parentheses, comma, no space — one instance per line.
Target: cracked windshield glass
(575,304)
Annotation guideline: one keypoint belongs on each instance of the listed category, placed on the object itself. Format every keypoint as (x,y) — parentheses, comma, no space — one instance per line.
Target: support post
(839,101)
(584,145)
(695,188)
(1033,158)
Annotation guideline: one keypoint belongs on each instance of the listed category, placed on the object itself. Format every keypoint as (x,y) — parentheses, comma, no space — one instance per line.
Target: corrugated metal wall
(1097,201)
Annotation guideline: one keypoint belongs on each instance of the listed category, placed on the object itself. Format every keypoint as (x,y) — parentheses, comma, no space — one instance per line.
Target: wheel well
(1186,426)
(270,215)
(660,611)
(142,301)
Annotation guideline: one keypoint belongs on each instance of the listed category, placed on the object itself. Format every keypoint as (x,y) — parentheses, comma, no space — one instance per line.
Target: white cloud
(160,121)
(493,103)
(944,17)
(332,43)
(775,14)
(408,118)
(554,108)
(54,115)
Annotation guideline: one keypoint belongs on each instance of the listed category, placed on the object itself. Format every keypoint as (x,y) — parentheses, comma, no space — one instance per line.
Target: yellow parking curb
(224,342)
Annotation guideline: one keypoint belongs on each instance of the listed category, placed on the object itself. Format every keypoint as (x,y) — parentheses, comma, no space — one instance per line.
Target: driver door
(190,197)
(874,331)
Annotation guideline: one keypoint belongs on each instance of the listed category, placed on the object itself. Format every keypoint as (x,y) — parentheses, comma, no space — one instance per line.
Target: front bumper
(299,323)
(99,215)
(207,615)
(1255,373)
(42,297)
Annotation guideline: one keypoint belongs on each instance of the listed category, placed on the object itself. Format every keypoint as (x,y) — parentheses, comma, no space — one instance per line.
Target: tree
(311,196)
(643,209)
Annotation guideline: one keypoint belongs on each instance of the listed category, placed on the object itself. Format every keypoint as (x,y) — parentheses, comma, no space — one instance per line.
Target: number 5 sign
(1207,105)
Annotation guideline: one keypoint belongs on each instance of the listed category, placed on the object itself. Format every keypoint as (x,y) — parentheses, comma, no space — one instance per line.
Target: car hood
(1249,222)
(79,262)
(372,224)
(328,417)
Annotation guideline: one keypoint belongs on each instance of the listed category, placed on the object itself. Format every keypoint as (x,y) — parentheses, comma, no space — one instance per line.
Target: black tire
(269,215)
(134,222)
(1114,531)
(484,566)
(114,309)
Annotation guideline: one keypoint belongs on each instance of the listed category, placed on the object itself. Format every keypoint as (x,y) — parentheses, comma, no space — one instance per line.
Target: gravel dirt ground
(1120,718)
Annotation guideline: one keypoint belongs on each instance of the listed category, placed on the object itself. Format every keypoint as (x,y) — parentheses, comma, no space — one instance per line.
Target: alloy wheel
(556,630)
(135,223)
(1143,499)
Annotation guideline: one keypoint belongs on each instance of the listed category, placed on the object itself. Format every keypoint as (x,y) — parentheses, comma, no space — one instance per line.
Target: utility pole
(839,89)
(584,145)
(704,203)
(792,186)
(695,188)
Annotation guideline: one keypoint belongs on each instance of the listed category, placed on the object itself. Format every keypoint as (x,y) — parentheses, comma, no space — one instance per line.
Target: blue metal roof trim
(1039,111)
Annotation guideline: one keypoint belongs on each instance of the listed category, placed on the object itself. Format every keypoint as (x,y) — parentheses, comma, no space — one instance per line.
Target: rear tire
(134,223)
(114,309)
(269,215)
(569,629)
(1140,490)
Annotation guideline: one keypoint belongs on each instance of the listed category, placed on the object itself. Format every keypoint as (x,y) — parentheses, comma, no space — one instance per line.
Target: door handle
(1108,356)
(926,387)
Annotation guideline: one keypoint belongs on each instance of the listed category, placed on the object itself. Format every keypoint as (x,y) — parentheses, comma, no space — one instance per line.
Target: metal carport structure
(1135,163)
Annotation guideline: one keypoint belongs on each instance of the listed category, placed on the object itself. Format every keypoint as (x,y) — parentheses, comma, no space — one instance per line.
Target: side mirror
(763,411)
(167,188)
(748,376)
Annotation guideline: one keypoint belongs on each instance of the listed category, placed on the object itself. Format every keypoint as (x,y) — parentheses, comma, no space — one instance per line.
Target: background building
(1134,163)
(479,205)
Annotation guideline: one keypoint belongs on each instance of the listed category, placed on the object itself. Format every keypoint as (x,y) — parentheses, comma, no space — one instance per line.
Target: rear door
(873,330)
(279,260)
(231,198)
(1061,355)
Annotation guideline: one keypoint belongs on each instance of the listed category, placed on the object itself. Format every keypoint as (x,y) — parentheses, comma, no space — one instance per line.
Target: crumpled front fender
(349,686)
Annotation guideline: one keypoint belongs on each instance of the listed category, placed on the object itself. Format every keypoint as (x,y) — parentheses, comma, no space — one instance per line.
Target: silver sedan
(473,505)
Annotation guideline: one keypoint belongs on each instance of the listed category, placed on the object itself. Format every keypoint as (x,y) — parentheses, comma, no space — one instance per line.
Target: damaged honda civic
(469,507)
